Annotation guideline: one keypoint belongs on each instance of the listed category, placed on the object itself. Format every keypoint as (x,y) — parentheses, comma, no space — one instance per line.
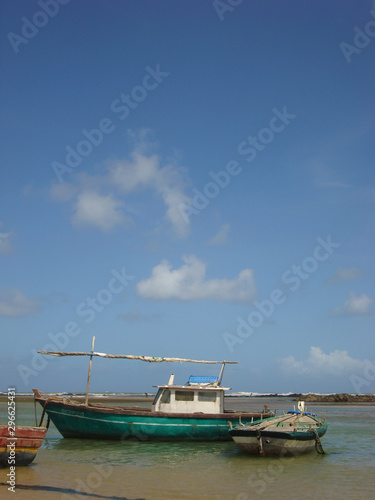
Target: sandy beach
(74,469)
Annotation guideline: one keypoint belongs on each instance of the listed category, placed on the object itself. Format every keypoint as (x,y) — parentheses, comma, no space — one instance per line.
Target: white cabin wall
(194,406)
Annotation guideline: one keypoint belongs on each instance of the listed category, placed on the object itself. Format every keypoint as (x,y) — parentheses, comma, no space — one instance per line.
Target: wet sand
(77,469)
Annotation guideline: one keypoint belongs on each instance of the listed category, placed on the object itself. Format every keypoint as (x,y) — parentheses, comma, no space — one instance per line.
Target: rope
(44,411)
(318,444)
(259,438)
(36,419)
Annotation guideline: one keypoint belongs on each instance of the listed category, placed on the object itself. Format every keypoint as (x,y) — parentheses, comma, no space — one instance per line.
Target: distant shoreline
(340,398)
(337,398)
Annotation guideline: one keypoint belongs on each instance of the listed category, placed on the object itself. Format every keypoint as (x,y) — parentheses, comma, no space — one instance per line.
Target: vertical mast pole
(221,373)
(89,374)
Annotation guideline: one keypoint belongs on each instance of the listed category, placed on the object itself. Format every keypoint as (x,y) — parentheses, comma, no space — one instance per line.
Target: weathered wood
(89,374)
(149,359)
(21,444)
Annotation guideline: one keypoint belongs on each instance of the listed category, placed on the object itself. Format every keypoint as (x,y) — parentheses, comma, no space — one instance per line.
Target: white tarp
(149,359)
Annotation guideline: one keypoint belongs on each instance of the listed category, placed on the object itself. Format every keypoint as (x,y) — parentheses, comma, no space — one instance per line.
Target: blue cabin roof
(193,379)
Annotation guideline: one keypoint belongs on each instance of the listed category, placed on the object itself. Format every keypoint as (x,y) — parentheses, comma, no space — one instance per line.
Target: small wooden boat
(19,444)
(194,411)
(293,433)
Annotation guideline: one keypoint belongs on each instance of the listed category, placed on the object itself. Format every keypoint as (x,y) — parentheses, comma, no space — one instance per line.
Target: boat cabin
(199,395)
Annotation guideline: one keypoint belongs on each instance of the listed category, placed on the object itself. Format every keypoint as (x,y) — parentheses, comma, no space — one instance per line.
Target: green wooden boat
(194,411)
(293,433)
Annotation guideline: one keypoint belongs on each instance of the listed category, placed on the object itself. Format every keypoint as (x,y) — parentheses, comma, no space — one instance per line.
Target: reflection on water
(198,470)
(141,453)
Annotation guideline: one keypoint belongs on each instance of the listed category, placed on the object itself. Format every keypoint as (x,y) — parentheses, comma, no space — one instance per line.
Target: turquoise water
(85,469)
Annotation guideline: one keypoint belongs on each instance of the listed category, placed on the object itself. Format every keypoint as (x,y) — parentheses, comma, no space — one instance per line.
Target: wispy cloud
(5,242)
(98,200)
(344,274)
(331,184)
(355,305)
(188,283)
(221,236)
(14,303)
(103,212)
(146,172)
(54,298)
(324,174)
(335,363)
(138,173)
(63,192)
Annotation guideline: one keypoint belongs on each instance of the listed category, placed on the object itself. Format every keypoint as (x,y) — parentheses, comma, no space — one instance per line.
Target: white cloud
(5,242)
(142,139)
(221,236)
(168,186)
(14,303)
(344,274)
(123,177)
(356,305)
(335,363)
(291,364)
(141,172)
(93,209)
(188,283)
(145,172)
(63,192)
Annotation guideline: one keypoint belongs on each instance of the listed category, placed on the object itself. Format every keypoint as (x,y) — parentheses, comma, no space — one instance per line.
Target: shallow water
(88,469)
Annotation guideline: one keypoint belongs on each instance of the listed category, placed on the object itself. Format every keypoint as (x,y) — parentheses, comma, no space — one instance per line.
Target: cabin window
(166,397)
(207,396)
(157,397)
(184,396)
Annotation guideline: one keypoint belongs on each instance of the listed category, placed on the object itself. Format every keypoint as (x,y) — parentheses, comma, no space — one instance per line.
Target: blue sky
(190,179)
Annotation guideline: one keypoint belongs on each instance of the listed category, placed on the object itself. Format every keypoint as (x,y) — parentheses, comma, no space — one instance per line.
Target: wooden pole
(221,373)
(89,374)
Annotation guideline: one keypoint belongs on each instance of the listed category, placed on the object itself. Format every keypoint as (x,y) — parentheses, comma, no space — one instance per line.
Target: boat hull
(271,443)
(20,449)
(74,420)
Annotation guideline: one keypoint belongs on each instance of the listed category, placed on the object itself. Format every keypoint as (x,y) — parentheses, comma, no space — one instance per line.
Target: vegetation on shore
(337,398)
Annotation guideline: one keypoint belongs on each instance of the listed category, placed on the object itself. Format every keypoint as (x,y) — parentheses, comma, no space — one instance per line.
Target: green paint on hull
(100,425)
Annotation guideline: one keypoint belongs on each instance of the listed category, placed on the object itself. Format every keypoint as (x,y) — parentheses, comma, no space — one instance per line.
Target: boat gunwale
(305,435)
(21,431)
(138,411)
